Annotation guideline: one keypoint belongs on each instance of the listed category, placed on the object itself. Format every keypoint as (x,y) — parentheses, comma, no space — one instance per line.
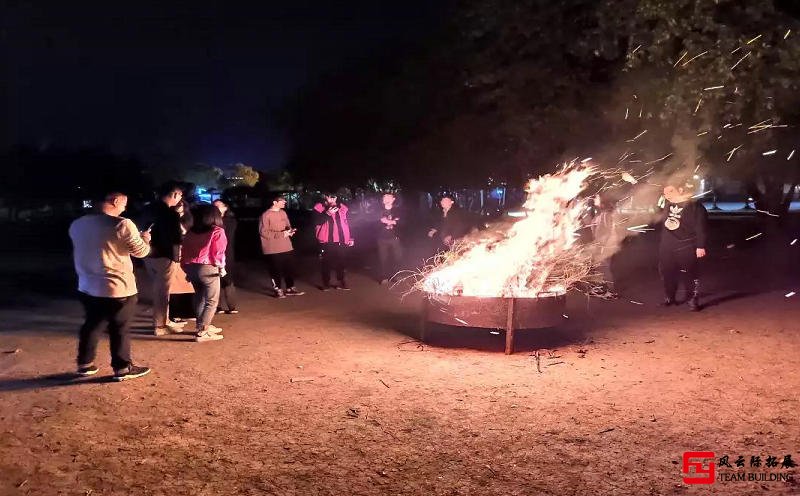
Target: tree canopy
(507,89)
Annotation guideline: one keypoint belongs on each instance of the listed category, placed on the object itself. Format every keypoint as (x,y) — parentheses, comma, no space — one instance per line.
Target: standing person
(683,242)
(606,243)
(103,244)
(449,225)
(165,225)
(227,299)
(389,246)
(181,292)
(276,244)
(333,235)
(203,259)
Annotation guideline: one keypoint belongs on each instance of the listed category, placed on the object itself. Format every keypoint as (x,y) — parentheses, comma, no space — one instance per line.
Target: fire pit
(493,313)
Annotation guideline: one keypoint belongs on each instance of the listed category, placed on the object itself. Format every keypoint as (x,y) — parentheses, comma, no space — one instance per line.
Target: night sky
(200,80)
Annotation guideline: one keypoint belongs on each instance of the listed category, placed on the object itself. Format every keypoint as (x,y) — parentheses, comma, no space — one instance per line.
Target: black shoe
(130,372)
(694,298)
(294,292)
(87,370)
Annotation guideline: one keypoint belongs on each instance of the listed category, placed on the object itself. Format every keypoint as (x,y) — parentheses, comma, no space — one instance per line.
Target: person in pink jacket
(203,260)
(333,235)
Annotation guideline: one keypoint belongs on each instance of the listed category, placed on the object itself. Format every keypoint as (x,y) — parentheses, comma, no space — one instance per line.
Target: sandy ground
(329,394)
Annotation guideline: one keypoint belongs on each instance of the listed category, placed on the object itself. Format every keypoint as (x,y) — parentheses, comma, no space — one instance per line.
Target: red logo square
(700,474)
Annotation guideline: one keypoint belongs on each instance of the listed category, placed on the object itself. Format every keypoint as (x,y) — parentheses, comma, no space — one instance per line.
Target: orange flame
(536,256)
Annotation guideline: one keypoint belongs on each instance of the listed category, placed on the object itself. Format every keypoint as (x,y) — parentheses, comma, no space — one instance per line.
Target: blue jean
(206,284)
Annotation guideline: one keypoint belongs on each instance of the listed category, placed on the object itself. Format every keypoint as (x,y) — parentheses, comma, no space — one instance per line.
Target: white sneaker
(214,329)
(206,335)
(170,328)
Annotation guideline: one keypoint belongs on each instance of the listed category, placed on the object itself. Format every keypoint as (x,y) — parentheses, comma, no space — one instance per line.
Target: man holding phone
(164,225)
(276,234)
(103,244)
(333,234)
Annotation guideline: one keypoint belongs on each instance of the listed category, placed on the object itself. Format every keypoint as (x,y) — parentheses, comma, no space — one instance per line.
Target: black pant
(332,257)
(390,251)
(227,295)
(117,313)
(672,260)
(281,267)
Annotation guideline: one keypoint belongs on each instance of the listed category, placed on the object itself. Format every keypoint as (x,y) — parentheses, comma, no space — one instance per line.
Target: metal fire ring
(509,314)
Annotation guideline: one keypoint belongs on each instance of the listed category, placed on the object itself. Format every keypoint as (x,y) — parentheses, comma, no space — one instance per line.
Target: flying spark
(793,242)
(626,113)
(636,49)
(771,152)
(740,61)
(791,154)
(730,154)
(703,133)
(701,194)
(787,34)
(698,55)
(790,294)
(636,302)
(754,39)
(637,136)
(679,60)
(586,160)
(713,88)
(754,236)
(659,159)
(698,105)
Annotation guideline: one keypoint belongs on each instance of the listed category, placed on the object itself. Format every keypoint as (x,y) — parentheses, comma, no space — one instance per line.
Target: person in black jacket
(449,225)
(683,242)
(390,251)
(227,298)
(164,224)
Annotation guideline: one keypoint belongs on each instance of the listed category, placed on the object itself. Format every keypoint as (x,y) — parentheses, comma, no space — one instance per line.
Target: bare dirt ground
(329,394)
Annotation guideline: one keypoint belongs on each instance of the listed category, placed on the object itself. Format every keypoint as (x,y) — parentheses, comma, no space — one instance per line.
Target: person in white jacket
(103,244)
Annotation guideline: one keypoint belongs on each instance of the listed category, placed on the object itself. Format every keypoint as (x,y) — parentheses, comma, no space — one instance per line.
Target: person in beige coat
(276,234)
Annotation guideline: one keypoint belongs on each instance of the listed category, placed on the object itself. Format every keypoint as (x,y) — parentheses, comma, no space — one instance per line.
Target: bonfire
(537,255)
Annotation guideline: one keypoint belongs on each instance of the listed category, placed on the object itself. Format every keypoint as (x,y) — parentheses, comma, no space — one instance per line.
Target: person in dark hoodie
(227,297)
(164,225)
(449,224)
(683,242)
(390,250)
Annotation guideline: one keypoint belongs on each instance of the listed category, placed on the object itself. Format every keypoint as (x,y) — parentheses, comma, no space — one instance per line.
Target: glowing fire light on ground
(538,255)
